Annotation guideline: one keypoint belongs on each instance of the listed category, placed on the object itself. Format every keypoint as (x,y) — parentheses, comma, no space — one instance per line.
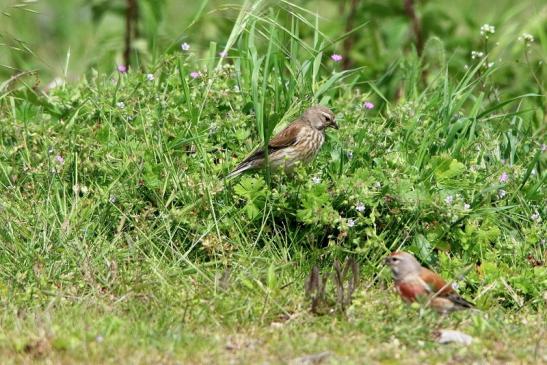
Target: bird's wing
(410,289)
(287,137)
(435,283)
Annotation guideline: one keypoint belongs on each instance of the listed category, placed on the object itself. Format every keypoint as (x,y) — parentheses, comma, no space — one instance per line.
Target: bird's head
(402,264)
(320,117)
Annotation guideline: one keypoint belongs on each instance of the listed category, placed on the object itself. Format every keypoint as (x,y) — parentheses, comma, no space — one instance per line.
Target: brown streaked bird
(413,282)
(298,142)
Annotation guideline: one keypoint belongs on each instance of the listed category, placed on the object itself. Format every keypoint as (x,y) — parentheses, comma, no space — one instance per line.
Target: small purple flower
(60,160)
(336,57)
(504,177)
(195,74)
(185,47)
(360,207)
(223,54)
(449,199)
(455,286)
(368,105)
(501,193)
(316,180)
(150,77)
(122,69)
(351,222)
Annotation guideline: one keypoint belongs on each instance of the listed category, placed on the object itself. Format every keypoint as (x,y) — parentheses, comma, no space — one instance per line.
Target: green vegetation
(122,242)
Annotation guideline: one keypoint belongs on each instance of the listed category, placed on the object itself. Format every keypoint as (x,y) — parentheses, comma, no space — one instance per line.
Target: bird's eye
(327,116)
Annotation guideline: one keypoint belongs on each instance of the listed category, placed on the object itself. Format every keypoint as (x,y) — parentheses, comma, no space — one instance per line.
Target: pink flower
(60,160)
(122,69)
(223,54)
(504,177)
(195,74)
(368,105)
(336,57)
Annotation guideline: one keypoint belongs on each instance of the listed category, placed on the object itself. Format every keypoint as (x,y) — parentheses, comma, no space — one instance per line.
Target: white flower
(360,207)
(501,193)
(449,199)
(351,223)
(377,185)
(526,37)
(476,54)
(150,77)
(120,104)
(535,217)
(455,286)
(487,29)
(316,180)
(350,155)
(185,46)
(466,206)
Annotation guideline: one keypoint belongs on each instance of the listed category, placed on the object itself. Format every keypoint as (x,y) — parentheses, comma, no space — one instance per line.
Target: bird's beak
(386,261)
(334,125)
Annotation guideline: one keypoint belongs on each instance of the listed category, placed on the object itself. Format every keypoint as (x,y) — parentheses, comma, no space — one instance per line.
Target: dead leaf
(311,359)
(452,336)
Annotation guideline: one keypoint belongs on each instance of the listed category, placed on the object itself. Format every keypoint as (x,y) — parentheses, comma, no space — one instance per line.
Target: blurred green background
(58,37)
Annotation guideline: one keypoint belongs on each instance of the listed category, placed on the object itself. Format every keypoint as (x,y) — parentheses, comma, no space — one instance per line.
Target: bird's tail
(239,169)
(456,299)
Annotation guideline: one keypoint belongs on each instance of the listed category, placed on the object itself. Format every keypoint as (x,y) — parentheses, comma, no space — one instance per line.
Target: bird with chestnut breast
(299,142)
(414,282)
